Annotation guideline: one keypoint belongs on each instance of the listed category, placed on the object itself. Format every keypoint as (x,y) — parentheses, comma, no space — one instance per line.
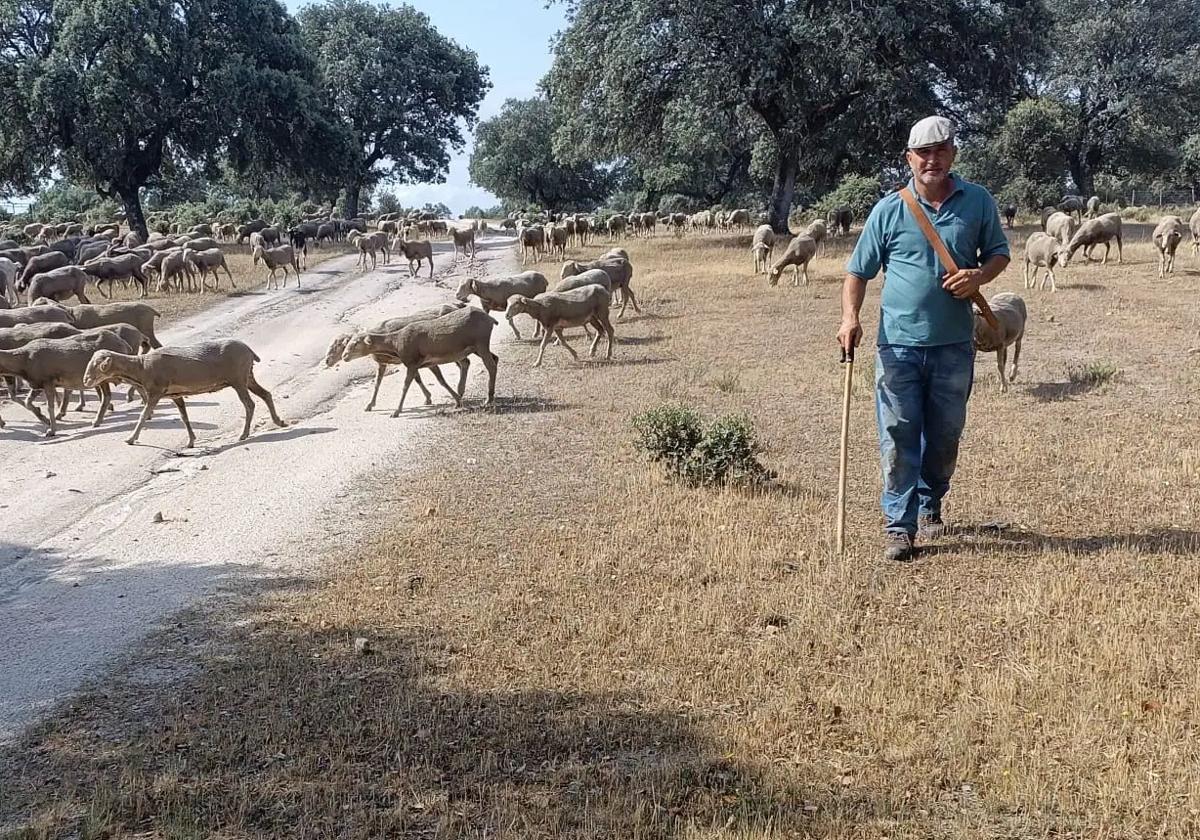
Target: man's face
(931,164)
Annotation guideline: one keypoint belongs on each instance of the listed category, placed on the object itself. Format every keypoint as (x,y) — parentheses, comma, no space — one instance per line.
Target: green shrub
(722,451)
(858,192)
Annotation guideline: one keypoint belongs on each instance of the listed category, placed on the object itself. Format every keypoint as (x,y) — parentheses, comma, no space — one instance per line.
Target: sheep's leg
(437,374)
(511,323)
(562,339)
(147,412)
(82,297)
(1025,274)
(248,404)
(1001,358)
(1107,247)
(606,324)
(409,376)
(632,299)
(379,372)
(51,392)
(542,348)
(82,399)
(66,399)
(187,424)
(599,332)
(1120,255)
(265,395)
(100,289)
(490,361)
(1012,377)
(105,403)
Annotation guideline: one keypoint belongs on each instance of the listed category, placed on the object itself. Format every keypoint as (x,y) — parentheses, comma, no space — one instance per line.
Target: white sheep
(1041,251)
(1094,232)
(276,258)
(209,260)
(494,292)
(556,311)
(616,265)
(1168,233)
(1194,225)
(1009,310)
(1061,226)
(761,247)
(798,254)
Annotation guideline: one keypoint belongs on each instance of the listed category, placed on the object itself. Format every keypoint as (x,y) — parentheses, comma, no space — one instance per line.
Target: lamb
(1041,250)
(495,292)
(1010,214)
(48,364)
(1061,226)
(798,254)
(463,238)
(138,315)
(1009,310)
(415,250)
(1168,233)
(429,343)
(762,246)
(619,270)
(839,220)
(121,267)
(531,239)
(1093,207)
(338,346)
(556,311)
(556,240)
(39,264)
(58,284)
(209,260)
(275,259)
(174,265)
(185,371)
(1094,232)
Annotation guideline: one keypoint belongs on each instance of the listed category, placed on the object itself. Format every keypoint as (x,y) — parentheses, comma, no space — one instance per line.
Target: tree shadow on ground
(1060,391)
(1002,537)
(521,404)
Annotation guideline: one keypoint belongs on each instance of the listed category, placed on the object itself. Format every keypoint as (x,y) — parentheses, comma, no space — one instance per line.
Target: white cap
(930,132)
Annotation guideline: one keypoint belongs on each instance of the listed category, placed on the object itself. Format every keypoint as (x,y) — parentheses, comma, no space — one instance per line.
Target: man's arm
(854,289)
(993,251)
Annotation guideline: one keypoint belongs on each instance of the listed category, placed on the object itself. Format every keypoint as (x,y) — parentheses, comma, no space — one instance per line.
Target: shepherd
(925,359)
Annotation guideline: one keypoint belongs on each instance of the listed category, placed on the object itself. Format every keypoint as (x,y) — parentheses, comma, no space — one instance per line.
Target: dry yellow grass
(564,644)
(249,278)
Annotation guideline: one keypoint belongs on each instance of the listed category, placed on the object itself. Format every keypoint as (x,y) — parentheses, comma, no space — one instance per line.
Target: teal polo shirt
(915,311)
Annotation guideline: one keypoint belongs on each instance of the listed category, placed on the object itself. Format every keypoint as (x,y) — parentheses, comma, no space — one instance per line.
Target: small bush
(720,452)
(1093,374)
(729,382)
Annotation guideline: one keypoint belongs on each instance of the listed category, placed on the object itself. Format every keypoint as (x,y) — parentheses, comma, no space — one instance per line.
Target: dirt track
(85,570)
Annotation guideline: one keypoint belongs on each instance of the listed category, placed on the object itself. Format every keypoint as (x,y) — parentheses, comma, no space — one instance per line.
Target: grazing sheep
(415,251)
(40,264)
(48,364)
(556,239)
(619,269)
(121,267)
(58,284)
(174,265)
(616,227)
(1010,215)
(227,232)
(209,260)
(762,246)
(1041,251)
(839,220)
(1009,310)
(556,311)
(495,292)
(1073,204)
(1094,232)
(1061,226)
(463,238)
(276,258)
(798,254)
(184,371)
(1168,233)
(428,343)
(1093,207)
(138,315)
(244,231)
(531,239)
(326,232)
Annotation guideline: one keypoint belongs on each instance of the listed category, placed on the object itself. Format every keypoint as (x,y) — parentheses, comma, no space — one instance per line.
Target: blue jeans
(921,405)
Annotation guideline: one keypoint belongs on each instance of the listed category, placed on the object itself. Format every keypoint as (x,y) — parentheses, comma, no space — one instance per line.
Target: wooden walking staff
(848,365)
(943,254)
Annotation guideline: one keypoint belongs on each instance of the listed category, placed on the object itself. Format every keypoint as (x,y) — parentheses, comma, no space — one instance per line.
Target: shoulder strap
(943,253)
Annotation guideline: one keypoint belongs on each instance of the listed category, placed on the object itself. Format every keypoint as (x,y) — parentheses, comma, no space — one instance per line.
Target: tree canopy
(402,91)
(514,158)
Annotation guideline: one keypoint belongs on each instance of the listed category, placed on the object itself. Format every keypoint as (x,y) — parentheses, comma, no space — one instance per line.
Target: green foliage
(514,158)
(722,451)
(386,202)
(858,192)
(64,201)
(401,90)
(676,203)
(496,211)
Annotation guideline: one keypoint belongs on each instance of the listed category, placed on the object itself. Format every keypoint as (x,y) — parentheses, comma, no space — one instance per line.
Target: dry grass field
(563,643)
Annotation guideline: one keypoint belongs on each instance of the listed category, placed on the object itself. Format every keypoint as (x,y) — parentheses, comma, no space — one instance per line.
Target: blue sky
(513,40)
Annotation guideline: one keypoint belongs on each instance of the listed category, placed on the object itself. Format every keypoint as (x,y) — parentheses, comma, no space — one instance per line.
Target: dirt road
(84,568)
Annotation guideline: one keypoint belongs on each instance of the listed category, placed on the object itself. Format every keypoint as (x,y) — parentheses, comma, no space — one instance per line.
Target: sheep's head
(357,346)
(569,269)
(986,339)
(256,254)
(336,347)
(517,304)
(465,288)
(99,369)
(1063,255)
(773,276)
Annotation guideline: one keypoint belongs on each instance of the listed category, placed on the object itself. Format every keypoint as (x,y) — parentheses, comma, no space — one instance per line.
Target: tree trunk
(1081,174)
(134,217)
(350,208)
(784,189)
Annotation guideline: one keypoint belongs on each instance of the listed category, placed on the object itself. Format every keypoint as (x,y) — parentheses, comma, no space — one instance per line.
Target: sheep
(494,292)
(202,229)
(6,244)
(91,249)
(762,246)
(275,259)
(138,315)
(616,227)
(244,231)
(39,264)
(298,238)
(556,239)
(133,239)
(338,346)
(16,255)
(256,241)
(368,244)
(35,315)
(1041,250)
(429,343)
(200,243)
(1061,226)
(1010,215)
(1009,310)
(739,219)
(817,230)
(839,220)
(556,311)
(1047,212)
(463,238)
(531,239)
(184,371)
(326,232)
(209,260)
(58,284)
(415,250)
(1194,225)
(797,254)
(1168,233)
(649,223)
(1073,204)
(619,269)
(48,364)
(1094,232)
(1093,207)
(121,267)
(8,277)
